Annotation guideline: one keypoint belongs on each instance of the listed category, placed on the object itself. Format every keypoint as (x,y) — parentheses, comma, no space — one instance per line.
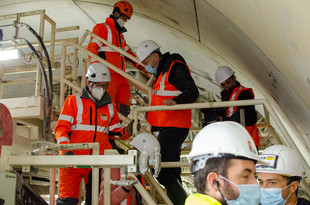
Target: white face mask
(120,22)
(97,92)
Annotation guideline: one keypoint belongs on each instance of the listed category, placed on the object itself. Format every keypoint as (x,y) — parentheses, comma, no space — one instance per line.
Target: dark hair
(158,52)
(217,165)
(116,9)
(289,180)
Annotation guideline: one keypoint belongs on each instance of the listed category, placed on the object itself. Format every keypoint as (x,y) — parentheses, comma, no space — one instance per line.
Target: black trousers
(171,139)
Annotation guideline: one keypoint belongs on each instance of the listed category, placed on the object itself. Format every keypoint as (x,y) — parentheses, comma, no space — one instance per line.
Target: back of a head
(222,139)
(280,159)
(98,72)
(124,7)
(145,48)
(223,73)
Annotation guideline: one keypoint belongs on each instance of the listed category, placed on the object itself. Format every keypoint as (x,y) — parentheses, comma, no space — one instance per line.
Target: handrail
(76,146)
(198,105)
(296,143)
(118,49)
(141,86)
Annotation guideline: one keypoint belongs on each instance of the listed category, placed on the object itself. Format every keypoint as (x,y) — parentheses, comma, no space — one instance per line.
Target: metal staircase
(22,91)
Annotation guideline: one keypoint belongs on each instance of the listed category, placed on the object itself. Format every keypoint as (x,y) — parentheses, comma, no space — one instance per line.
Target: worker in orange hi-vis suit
(112,31)
(86,117)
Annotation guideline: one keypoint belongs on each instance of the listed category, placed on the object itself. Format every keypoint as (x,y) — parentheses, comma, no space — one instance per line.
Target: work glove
(130,127)
(68,153)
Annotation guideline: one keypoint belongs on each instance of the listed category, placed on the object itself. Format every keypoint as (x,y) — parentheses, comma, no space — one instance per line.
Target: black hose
(40,62)
(49,67)
(47,116)
(48,83)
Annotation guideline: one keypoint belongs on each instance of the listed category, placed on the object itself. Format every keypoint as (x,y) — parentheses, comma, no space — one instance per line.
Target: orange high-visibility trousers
(253,131)
(69,181)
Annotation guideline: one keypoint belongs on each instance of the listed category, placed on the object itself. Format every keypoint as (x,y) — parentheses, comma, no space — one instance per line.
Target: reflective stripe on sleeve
(66,118)
(96,41)
(106,49)
(62,139)
(118,125)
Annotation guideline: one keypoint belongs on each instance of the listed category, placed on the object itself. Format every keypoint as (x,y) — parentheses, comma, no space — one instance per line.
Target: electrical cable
(49,82)
(49,67)
(47,114)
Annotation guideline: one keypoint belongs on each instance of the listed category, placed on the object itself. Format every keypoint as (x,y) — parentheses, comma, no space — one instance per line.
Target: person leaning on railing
(232,91)
(173,84)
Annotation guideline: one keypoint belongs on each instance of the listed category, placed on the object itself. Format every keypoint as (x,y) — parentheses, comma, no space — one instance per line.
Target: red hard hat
(125,8)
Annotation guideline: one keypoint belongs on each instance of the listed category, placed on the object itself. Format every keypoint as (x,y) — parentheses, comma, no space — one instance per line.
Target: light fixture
(9,54)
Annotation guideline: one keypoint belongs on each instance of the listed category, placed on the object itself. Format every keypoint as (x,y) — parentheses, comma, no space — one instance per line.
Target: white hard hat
(146,142)
(221,139)
(149,148)
(146,48)
(98,72)
(223,73)
(280,159)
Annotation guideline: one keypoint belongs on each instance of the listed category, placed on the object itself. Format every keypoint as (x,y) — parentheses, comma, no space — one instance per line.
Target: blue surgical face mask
(273,196)
(248,194)
(149,67)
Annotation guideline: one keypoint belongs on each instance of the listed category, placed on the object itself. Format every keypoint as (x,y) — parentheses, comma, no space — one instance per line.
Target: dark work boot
(176,193)
(67,201)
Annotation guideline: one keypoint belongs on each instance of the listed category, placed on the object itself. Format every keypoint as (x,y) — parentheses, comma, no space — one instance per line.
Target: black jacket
(179,77)
(249,111)
(302,201)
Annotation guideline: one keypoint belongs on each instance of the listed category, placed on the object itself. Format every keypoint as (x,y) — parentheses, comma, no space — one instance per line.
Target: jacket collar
(106,99)
(111,20)
(163,63)
(166,60)
(227,94)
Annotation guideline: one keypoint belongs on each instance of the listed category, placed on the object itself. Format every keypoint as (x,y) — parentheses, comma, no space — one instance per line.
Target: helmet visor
(267,161)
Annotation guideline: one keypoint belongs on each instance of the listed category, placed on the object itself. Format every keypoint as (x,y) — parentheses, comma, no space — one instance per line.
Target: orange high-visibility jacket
(162,90)
(234,96)
(109,32)
(83,121)
(253,131)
